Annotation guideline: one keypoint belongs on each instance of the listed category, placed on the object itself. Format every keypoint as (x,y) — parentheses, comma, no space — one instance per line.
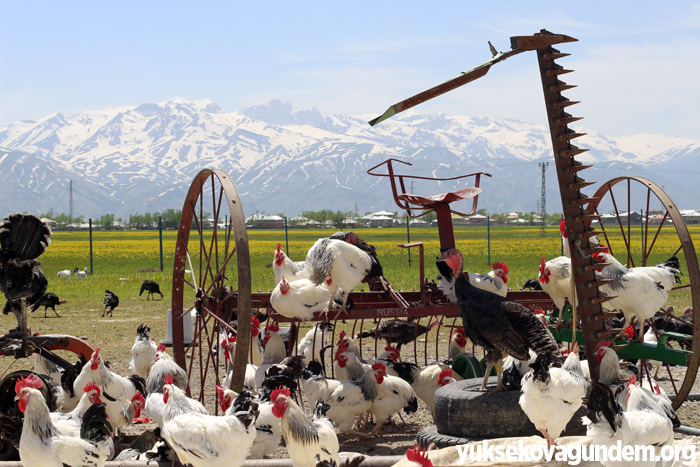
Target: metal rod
(90,221)
(160,231)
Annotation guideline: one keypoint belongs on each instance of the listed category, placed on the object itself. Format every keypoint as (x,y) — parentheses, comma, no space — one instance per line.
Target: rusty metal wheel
(649,236)
(211,282)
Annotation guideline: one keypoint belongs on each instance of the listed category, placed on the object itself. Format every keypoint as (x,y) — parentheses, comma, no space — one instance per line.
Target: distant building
(262,221)
(378,219)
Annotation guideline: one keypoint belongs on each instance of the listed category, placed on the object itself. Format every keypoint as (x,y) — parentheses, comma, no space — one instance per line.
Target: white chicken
(42,445)
(207,440)
(493,281)
(274,353)
(71,422)
(315,385)
(300,299)
(163,366)
(351,399)
(555,279)
(229,347)
(341,265)
(552,395)
(458,344)
(315,340)
(308,442)
(284,266)
(116,390)
(394,395)
(643,424)
(142,352)
(651,339)
(424,381)
(639,292)
(268,430)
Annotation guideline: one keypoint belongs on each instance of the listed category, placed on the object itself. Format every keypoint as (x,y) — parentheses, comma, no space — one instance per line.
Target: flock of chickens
(94,401)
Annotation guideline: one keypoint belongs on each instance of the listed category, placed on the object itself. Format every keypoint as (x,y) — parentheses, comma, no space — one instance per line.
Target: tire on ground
(430,435)
(464,413)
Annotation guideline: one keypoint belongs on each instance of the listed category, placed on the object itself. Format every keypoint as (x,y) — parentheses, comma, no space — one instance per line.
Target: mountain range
(130,159)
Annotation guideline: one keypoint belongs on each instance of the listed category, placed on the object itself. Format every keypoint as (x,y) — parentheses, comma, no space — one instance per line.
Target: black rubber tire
(464,413)
(431,435)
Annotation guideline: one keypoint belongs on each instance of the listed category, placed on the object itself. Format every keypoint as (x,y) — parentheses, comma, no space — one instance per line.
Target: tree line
(170,219)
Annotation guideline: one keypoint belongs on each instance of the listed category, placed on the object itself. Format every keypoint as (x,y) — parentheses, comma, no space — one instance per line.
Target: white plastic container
(188,328)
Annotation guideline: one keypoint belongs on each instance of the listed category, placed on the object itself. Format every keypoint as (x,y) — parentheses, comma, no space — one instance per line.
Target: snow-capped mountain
(125,160)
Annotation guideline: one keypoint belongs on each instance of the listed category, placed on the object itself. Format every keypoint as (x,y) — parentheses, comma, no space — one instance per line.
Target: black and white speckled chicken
(111,301)
(23,238)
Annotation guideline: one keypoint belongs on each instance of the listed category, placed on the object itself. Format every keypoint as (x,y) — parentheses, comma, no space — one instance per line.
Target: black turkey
(23,238)
(48,300)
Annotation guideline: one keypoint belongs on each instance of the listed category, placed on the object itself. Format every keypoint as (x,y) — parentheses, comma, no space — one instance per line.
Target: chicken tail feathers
(540,367)
(95,425)
(601,402)
(245,408)
(23,236)
(139,383)
(673,265)
(412,405)
(143,331)
(320,261)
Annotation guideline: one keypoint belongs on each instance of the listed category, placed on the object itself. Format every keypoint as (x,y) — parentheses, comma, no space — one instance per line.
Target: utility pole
(543,200)
(70,204)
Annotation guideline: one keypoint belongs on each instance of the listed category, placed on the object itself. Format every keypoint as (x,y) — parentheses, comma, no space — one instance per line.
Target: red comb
(459,331)
(279,247)
(161,347)
(501,265)
(168,379)
(138,397)
(657,390)
(539,310)
(273,327)
(379,366)
(92,387)
(562,228)
(282,390)
(603,343)
(629,332)
(342,335)
(219,393)
(446,372)
(32,382)
(632,381)
(415,455)
(254,321)
(390,348)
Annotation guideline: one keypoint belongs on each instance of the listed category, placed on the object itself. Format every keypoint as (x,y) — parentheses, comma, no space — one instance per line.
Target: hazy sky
(637,63)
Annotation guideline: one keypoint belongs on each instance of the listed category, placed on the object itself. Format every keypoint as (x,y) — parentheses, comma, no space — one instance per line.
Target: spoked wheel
(643,227)
(211,282)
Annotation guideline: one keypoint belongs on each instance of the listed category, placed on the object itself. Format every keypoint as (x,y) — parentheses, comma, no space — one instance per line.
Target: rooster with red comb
(207,440)
(284,266)
(117,391)
(43,445)
(306,440)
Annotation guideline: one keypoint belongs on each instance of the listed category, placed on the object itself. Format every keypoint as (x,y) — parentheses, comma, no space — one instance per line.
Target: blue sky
(636,62)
